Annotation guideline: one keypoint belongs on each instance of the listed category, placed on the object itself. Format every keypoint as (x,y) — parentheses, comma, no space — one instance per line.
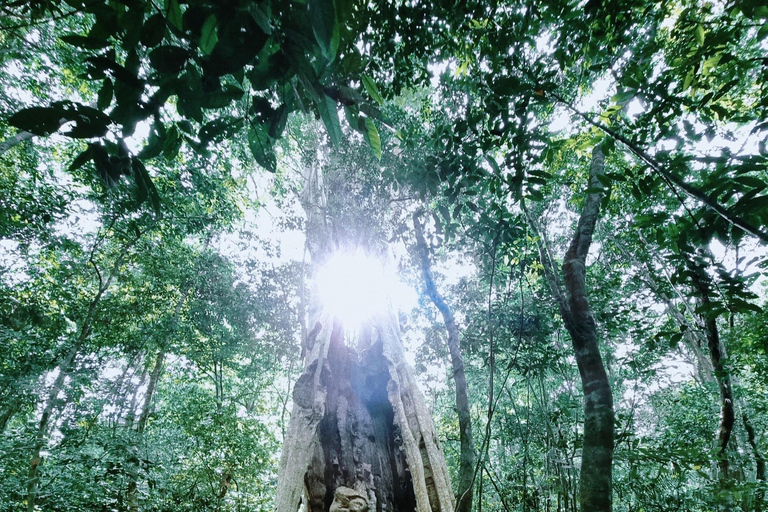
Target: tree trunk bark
(359,435)
(467,456)
(597,450)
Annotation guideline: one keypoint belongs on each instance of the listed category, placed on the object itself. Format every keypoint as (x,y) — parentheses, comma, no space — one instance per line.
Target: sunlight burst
(355,287)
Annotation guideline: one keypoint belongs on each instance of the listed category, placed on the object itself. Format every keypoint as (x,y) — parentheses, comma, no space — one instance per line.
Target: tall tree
(467,456)
(360,436)
(571,295)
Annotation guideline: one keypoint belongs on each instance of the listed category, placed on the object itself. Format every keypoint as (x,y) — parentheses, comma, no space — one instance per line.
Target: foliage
(133,213)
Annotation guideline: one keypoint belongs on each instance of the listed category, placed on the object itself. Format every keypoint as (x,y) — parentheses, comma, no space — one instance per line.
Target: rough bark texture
(571,296)
(467,456)
(358,421)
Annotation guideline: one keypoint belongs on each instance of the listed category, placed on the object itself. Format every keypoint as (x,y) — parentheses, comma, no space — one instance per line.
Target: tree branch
(689,189)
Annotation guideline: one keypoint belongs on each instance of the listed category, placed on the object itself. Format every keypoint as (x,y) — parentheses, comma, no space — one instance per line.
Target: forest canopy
(573,192)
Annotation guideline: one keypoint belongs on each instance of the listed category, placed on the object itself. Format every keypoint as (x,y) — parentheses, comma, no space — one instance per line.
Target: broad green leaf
(153,31)
(261,147)
(372,136)
(146,189)
(699,34)
(623,96)
(325,27)
(80,160)
(330,117)
(373,91)
(89,43)
(41,121)
(173,14)
(222,98)
(209,36)
(105,94)
(168,59)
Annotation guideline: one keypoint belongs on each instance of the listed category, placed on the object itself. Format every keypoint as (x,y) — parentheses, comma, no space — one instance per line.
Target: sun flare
(355,287)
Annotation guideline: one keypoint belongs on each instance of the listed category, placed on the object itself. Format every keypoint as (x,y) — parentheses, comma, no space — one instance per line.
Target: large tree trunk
(571,296)
(360,436)
(467,456)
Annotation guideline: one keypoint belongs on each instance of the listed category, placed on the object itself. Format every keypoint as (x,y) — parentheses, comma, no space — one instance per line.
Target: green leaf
(373,91)
(89,122)
(168,59)
(330,117)
(209,36)
(763,32)
(80,160)
(173,14)
(323,16)
(623,96)
(153,31)
(222,98)
(41,121)
(699,34)
(262,18)
(171,143)
(262,147)
(105,94)
(146,189)
(277,122)
(88,43)
(372,137)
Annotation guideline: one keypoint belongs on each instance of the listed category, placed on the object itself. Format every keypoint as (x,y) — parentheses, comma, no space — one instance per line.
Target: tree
(467,456)
(597,453)
(360,436)
(159,117)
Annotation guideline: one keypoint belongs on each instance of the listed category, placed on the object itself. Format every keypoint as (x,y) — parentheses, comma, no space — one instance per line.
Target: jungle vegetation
(576,190)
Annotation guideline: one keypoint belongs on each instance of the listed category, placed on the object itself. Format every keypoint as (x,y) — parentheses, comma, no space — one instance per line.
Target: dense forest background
(570,182)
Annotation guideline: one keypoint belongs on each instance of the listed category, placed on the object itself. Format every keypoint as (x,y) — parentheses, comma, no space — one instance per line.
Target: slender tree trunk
(10,410)
(467,456)
(759,461)
(718,357)
(571,296)
(14,141)
(695,338)
(132,493)
(50,403)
